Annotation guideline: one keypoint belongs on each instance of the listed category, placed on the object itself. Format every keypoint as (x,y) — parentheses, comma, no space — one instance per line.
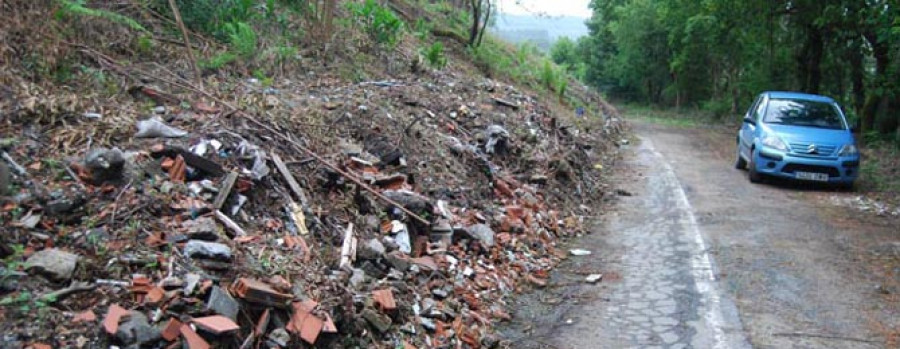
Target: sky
(578,8)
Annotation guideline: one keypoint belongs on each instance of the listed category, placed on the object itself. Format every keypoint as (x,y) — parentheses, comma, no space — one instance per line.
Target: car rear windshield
(803,113)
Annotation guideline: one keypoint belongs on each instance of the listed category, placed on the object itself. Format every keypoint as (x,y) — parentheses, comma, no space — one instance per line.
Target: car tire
(740,163)
(752,174)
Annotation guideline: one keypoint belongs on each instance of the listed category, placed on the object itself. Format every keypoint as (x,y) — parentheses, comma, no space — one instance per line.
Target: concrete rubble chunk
(398,261)
(483,233)
(208,250)
(136,330)
(371,249)
(380,322)
(56,264)
(222,303)
(203,228)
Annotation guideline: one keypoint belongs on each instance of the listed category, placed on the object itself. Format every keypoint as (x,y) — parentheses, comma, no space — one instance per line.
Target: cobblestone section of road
(668,297)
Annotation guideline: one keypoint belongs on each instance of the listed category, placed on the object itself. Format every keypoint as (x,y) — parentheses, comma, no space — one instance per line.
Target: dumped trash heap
(396,214)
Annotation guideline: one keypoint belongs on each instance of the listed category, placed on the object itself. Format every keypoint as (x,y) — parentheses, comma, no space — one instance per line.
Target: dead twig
(14,165)
(187,42)
(57,295)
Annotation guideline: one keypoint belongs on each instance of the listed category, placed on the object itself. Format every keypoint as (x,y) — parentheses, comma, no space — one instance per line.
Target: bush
(380,23)
(242,39)
(434,55)
(209,16)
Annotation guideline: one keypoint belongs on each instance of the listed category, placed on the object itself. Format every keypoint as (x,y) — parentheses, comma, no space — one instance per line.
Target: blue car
(797,136)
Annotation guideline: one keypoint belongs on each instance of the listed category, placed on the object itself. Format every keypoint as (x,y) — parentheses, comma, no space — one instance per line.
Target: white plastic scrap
(153,128)
(580,252)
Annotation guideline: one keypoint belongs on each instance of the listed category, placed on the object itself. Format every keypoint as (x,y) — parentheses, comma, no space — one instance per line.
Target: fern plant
(242,39)
(76,7)
(380,23)
(434,55)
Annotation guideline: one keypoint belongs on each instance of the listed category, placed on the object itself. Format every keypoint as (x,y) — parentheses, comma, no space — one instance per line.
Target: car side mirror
(749,120)
(855,127)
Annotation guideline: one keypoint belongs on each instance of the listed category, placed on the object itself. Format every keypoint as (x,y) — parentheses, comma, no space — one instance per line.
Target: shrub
(434,55)
(380,23)
(76,7)
(242,39)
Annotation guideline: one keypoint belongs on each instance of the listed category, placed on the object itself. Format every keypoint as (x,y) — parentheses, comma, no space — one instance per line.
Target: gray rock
(398,261)
(4,179)
(222,303)
(190,283)
(208,250)
(483,233)
(381,322)
(136,330)
(372,249)
(428,324)
(105,164)
(56,264)
(280,337)
(358,278)
(203,228)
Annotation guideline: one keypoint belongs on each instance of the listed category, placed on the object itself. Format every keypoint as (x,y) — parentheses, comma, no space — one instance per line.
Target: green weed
(434,55)
(380,23)
(218,61)
(242,39)
(77,8)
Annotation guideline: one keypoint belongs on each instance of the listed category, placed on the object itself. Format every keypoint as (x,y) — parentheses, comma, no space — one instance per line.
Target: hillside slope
(314,185)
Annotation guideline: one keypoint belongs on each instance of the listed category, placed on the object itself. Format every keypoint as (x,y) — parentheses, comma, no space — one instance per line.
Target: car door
(748,126)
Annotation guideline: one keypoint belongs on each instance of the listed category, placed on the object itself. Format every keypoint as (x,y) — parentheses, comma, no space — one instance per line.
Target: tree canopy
(718,54)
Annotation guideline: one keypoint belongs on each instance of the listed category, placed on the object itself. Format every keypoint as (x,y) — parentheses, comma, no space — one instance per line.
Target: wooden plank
(225,190)
(230,224)
(292,183)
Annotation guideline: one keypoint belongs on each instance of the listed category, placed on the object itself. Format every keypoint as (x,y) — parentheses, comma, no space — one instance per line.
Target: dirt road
(694,256)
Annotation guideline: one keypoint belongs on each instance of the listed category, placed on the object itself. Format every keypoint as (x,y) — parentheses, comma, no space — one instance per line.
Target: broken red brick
(194,341)
(258,292)
(262,323)
(40,346)
(304,322)
(426,262)
(85,316)
(216,324)
(329,325)
(155,296)
(385,300)
(178,172)
(172,330)
(113,317)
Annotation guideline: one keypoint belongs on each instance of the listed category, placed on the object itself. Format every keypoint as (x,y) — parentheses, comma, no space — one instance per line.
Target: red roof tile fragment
(194,341)
(216,324)
(172,330)
(384,299)
(113,316)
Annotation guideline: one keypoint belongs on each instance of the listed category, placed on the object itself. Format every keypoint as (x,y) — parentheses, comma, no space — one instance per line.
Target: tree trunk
(857,76)
(881,52)
(487,20)
(475,6)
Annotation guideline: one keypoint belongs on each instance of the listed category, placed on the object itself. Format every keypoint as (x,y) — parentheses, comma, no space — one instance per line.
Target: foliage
(718,54)
(210,16)
(242,39)
(380,23)
(434,55)
(76,7)
(218,61)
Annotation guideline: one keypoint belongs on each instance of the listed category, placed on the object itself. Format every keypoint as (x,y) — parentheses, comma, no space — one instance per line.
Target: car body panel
(809,149)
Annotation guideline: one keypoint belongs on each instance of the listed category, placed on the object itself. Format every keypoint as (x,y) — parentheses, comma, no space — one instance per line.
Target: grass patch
(669,117)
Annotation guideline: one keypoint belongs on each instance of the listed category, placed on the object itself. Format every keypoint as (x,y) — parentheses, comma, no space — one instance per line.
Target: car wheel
(752,174)
(740,163)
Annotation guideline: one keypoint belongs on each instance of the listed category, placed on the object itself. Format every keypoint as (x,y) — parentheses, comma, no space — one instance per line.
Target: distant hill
(541,31)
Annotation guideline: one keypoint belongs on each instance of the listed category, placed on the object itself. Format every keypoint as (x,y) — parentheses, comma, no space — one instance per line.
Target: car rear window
(803,113)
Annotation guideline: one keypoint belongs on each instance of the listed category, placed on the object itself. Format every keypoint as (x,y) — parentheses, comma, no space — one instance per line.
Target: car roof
(798,95)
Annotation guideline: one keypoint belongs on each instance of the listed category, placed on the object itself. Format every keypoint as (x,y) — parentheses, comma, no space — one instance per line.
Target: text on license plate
(811,176)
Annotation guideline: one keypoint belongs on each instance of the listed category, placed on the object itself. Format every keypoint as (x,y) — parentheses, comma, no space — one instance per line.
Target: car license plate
(811,176)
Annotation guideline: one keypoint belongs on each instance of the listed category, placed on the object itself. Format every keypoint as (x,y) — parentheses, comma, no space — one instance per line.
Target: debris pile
(396,214)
